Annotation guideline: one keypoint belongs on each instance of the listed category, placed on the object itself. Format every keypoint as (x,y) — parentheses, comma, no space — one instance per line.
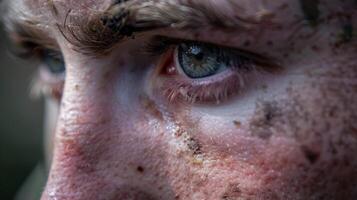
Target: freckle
(284,6)
(140,169)
(76,87)
(108,74)
(246,43)
(270,43)
(263,119)
(237,123)
(232,192)
(265,87)
(315,48)
(311,155)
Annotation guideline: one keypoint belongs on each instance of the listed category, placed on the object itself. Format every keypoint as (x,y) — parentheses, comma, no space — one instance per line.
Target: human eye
(50,75)
(53,63)
(200,73)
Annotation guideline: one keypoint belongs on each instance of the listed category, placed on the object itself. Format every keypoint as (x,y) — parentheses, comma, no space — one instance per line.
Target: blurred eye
(51,74)
(54,63)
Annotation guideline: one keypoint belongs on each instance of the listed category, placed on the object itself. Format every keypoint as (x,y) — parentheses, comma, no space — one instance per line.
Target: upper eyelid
(98,33)
(270,63)
(33,51)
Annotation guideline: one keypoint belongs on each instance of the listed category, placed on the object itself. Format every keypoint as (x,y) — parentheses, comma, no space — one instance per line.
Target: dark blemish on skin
(150,106)
(237,123)
(315,48)
(310,155)
(185,131)
(270,43)
(264,87)
(194,146)
(353,131)
(311,11)
(140,169)
(246,43)
(284,6)
(263,119)
(232,192)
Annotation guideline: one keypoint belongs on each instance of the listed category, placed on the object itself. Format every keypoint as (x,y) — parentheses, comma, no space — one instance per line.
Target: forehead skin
(310,150)
(54,11)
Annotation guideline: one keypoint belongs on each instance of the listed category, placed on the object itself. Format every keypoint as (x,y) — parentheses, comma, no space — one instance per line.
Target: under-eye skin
(51,60)
(51,72)
(199,73)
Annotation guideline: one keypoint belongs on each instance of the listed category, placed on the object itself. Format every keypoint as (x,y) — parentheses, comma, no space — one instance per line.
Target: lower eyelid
(48,77)
(221,77)
(206,91)
(48,85)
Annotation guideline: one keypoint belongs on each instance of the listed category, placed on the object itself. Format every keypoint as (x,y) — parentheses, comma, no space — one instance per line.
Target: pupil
(198,61)
(196,52)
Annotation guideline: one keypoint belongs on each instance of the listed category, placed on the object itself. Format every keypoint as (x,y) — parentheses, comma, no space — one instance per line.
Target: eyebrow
(97,34)
(25,31)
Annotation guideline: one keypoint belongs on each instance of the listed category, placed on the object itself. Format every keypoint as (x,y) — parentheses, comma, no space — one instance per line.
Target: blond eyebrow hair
(25,31)
(97,34)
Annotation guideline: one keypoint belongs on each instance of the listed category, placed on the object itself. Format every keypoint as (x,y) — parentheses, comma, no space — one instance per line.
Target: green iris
(200,60)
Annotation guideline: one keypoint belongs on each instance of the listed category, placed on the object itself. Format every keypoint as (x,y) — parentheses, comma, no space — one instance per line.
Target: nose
(83,158)
(80,138)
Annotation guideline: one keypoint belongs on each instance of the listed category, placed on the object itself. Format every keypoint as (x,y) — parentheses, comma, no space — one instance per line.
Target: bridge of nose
(100,144)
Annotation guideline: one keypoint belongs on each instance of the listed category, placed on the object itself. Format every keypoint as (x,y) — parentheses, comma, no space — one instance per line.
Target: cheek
(305,141)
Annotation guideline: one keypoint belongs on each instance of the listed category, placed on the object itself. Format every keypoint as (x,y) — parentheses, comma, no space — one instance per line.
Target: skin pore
(126,124)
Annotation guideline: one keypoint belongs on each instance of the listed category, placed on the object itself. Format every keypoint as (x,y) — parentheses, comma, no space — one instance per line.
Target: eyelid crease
(28,40)
(29,51)
(160,44)
(243,68)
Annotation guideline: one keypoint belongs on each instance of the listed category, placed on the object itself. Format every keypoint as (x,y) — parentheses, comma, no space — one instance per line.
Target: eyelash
(242,65)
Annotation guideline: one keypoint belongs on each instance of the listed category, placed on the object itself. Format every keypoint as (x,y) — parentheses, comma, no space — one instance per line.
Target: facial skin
(114,132)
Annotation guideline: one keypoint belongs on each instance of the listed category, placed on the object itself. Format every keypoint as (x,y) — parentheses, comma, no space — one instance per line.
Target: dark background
(20,122)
